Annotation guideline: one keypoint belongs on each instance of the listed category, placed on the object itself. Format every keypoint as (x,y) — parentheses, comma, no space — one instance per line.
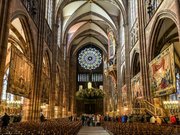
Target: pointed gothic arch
(20,52)
(157,27)
(135,66)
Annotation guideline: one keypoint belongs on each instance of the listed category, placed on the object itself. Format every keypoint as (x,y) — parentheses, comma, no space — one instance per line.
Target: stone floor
(93,131)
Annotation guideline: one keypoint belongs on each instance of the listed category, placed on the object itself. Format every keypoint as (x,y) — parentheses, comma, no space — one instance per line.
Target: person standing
(5,120)
(42,118)
(173,119)
(153,120)
(159,121)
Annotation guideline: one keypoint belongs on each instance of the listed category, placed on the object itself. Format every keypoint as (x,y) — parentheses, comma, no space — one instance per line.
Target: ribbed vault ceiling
(86,22)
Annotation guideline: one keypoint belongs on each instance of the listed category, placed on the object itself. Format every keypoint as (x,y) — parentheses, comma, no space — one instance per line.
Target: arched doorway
(135,64)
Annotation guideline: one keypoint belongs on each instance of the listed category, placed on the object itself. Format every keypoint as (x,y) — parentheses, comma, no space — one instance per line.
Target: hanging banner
(162,73)
(111,45)
(124,96)
(136,86)
(20,74)
(45,88)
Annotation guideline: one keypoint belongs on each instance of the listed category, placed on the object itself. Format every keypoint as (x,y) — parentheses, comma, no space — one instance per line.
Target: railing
(138,110)
(156,111)
(149,107)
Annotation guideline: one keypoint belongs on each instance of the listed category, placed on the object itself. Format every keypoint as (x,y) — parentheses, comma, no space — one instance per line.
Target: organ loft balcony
(111,70)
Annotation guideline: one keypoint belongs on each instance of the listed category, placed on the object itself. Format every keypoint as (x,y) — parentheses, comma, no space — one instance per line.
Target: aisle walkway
(93,131)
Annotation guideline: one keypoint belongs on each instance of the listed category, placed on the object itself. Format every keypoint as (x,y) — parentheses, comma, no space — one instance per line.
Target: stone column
(143,53)
(67,92)
(119,79)
(128,71)
(73,80)
(54,66)
(4,32)
(65,87)
(105,88)
(36,94)
(25,109)
(61,100)
(60,60)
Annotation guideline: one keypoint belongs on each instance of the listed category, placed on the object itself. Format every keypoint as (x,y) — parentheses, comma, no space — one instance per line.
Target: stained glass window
(5,82)
(90,58)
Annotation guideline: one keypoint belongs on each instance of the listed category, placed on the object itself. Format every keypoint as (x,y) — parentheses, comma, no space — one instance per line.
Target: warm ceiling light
(89,85)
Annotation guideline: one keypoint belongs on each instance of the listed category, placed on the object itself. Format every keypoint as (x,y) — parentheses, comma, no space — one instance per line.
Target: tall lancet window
(59,33)
(133,11)
(49,12)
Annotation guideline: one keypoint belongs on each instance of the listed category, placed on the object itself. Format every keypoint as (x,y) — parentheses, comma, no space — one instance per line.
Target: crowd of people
(95,120)
(73,118)
(6,119)
(142,125)
(91,119)
(114,124)
(172,119)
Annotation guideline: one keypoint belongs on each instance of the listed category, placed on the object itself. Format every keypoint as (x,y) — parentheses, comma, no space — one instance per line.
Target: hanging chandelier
(90,93)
